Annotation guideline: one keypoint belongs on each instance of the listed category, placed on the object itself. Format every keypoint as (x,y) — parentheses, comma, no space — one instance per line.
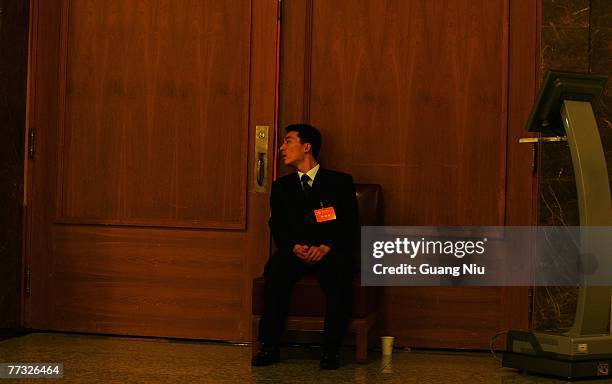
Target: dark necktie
(305,186)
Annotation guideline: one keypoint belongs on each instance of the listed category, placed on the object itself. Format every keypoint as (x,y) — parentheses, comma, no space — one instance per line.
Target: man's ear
(307,148)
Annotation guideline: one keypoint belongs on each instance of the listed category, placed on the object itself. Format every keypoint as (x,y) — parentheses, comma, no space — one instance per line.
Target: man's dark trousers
(335,279)
(293,222)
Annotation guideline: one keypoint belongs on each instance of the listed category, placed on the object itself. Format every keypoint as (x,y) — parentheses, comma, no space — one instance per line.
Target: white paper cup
(387,345)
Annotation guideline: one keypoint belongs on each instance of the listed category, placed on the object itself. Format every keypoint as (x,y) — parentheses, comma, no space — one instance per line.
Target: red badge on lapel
(325,214)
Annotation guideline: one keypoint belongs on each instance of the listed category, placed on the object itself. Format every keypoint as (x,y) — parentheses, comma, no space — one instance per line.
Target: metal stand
(586,349)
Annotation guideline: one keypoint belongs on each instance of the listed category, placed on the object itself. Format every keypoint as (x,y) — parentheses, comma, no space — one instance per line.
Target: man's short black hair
(307,134)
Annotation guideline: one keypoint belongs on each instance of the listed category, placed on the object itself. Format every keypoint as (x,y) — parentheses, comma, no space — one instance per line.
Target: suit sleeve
(347,235)
(279,223)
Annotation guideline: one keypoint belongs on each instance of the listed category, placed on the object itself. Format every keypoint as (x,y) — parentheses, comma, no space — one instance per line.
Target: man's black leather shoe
(330,361)
(266,356)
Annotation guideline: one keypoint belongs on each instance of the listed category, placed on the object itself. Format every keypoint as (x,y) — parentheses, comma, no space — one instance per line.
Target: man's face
(292,150)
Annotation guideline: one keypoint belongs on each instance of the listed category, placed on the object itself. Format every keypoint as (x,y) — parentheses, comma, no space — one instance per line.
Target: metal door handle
(261,159)
(260,169)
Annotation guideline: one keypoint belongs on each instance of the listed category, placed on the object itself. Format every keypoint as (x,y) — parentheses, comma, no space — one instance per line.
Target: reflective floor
(100,359)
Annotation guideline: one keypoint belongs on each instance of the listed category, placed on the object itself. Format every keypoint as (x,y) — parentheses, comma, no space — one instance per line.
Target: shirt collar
(312,173)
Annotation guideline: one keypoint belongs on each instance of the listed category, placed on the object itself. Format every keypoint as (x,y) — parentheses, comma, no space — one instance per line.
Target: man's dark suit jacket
(293,221)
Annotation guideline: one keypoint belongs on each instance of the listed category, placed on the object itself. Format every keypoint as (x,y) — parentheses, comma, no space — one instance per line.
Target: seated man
(314,222)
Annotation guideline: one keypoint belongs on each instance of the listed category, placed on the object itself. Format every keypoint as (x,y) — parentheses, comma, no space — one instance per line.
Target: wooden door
(428,99)
(143,219)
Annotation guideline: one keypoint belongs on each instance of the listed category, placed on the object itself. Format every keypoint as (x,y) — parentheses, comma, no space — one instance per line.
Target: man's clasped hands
(311,254)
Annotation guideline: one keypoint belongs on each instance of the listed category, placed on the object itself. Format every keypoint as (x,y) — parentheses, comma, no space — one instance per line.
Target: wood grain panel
(295,57)
(419,89)
(443,317)
(522,192)
(140,280)
(428,100)
(156,113)
(147,282)
(41,181)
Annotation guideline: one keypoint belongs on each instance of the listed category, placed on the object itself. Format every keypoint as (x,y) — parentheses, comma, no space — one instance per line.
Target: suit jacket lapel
(316,184)
(298,191)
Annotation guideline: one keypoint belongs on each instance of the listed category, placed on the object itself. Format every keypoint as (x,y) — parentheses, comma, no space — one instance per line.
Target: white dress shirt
(312,173)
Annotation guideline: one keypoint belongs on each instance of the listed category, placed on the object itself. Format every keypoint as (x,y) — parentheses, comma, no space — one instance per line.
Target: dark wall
(576,36)
(13,64)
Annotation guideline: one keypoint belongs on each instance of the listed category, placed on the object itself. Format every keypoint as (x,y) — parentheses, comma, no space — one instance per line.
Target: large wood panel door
(428,99)
(13,39)
(142,216)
